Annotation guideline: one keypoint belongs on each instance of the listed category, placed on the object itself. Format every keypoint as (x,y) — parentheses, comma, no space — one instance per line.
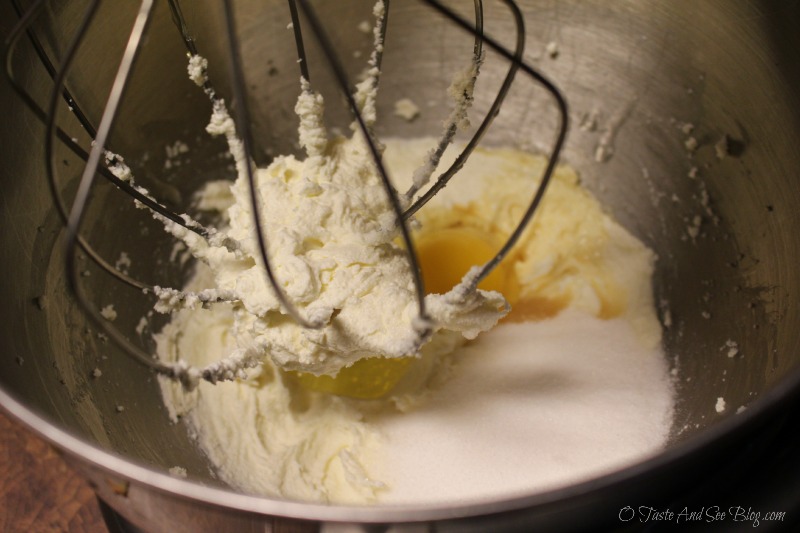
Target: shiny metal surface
(635,74)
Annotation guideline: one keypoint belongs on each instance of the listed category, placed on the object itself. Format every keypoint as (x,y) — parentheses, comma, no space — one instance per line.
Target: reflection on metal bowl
(686,127)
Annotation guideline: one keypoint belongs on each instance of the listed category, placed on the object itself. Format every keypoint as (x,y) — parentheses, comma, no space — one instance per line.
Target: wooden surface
(38,491)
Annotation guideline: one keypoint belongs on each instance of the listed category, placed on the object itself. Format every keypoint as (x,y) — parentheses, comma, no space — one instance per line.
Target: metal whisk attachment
(101,161)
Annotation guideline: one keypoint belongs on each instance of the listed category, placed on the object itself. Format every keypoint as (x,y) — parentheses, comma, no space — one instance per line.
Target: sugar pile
(531,407)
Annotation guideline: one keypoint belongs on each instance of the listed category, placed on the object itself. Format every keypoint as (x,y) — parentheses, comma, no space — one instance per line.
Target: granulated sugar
(532,407)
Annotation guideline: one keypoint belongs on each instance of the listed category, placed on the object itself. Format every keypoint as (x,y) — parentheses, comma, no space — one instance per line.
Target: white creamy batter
(572,386)
(331,239)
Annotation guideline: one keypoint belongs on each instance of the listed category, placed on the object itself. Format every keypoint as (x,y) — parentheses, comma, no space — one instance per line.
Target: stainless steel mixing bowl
(642,77)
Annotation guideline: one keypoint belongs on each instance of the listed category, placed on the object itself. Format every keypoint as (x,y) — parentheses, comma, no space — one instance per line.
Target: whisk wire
(484,126)
(103,131)
(49,140)
(84,187)
(246,136)
(558,144)
(180,21)
(228,369)
(298,40)
(23,27)
(463,101)
(26,19)
(48,118)
(341,78)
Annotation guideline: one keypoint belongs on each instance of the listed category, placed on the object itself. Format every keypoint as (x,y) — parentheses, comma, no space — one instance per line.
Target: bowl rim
(766,406)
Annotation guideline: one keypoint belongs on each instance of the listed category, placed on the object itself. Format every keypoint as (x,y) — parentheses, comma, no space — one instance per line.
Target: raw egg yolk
(445,256)
(366,379)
